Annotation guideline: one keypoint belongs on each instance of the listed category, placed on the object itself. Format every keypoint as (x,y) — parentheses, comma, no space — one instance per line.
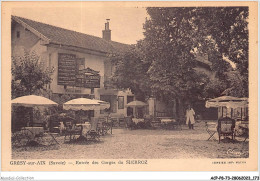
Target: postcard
(129,86)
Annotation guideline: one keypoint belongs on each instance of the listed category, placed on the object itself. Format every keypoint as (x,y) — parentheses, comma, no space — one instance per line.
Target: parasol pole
(31,116)
(241,113)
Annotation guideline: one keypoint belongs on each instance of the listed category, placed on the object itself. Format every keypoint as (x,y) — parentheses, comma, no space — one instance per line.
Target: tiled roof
(66,37)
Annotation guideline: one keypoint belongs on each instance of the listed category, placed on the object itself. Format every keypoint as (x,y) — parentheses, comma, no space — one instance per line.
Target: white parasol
(227,101)
(103,104)
(85,104)
(136,104)
(32,101)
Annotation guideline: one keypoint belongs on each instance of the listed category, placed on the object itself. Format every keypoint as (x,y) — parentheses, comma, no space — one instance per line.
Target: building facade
(81,63)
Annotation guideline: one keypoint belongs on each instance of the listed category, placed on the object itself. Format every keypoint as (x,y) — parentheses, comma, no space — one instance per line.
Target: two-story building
(81,63)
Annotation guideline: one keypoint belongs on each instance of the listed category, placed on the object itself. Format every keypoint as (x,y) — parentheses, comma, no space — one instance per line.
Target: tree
(131,72)
(173,37)
(170,41)
(28,75)
(164,61)
(227,36)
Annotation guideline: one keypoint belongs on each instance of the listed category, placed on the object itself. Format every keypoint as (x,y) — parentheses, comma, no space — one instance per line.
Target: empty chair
(94,131)
(211,128)
(114,121)
(121,121)
(129,122)
(226,127)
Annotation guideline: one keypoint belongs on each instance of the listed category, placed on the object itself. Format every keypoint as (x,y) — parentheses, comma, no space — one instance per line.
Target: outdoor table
(86,127)
(33,131)
(135,120)
(242,128)
(170,123)
(167,121)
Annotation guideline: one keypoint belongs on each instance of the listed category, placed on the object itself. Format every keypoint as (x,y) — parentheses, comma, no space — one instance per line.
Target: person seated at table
(62,127)
(66,124)
(46,122)
(74,124)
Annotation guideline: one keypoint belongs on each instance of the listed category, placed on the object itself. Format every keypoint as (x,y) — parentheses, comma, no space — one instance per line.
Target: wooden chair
(106,128)
(211,130)
(242,129)
(114,122)
(156,123)
(226,127)
(176,124)
(148,122)
(71,130)
(129,122)
(121,121)
(94,131)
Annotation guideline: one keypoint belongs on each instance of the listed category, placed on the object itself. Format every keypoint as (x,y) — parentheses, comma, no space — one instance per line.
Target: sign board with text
(72,72)
(92,81)
(66,69)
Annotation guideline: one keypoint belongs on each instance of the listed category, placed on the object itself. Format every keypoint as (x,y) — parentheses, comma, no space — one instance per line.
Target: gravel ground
(137,144)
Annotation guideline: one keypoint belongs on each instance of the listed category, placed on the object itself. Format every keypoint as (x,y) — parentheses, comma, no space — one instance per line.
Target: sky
(126,23)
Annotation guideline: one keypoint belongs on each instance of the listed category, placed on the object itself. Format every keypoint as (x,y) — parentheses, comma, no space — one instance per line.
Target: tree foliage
(164,61)
(227,37)
(28,75)
(131,72)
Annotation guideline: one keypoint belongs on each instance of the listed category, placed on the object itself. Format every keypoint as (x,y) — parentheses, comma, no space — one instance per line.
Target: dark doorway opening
(130,110)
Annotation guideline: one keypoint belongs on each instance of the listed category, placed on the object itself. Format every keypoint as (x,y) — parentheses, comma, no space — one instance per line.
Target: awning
(227,101)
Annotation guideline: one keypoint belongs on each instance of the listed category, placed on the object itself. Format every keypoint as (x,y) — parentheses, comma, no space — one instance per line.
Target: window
(18,34)
(120,102)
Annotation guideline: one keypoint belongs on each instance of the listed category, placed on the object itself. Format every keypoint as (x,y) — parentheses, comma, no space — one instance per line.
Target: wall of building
(206,71)
(25,41)
(49,58)
(124,94)
(92,61)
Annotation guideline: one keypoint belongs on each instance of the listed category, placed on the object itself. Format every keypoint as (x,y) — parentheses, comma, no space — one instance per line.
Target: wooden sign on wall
(66,69)
(72,72)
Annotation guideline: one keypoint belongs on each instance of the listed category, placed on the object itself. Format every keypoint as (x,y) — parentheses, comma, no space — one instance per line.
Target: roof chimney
(107,31)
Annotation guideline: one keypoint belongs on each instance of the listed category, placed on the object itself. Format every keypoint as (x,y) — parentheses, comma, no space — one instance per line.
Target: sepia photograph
(130,82)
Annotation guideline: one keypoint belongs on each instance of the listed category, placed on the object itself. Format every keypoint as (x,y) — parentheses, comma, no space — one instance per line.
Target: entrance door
(112,99)
(130,110)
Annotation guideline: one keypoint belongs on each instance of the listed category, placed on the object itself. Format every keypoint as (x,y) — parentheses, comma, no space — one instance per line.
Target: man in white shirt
(190,117)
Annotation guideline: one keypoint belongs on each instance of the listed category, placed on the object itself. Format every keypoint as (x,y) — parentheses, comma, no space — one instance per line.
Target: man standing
(190,117)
